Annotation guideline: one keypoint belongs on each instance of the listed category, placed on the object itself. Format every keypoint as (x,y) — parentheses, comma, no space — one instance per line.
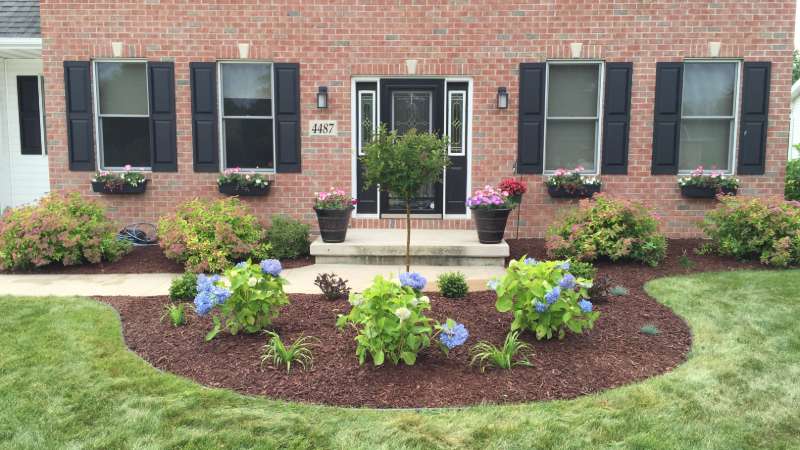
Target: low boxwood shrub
(66,229)
(763,229)
(288,237)
(184,287)
(605,227)
(792,189)
(545,298)
(210,236)
(452,284)
(246,297)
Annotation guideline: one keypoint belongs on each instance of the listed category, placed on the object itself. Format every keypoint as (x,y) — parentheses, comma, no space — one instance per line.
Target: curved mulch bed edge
(615,353)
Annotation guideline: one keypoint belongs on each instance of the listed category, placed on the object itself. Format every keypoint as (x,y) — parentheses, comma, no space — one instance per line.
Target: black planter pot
(585,191)
(490,224)
(100,187)
(333,224)
(704,192)
(234,189)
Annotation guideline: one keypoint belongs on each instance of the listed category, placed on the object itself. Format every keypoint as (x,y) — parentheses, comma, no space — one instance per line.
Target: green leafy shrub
(288,237)
(247,297)
(764,229)
(452,284)
(176,314)
(618,291)
(650,330)
(279,354)
(485,354)
(545,298)
(184,287)
(583,269)
(792,189)
(66,229)
(391,322)
(604,227)
(209,236)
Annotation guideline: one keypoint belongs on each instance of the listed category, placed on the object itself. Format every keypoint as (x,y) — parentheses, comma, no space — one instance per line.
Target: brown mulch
(145,259)
(614,353)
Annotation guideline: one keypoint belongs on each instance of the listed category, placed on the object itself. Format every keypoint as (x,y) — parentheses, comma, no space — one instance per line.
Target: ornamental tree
(402,165)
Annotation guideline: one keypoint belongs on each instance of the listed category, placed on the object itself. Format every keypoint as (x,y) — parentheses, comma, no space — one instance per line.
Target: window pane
(248,143)
(126,140)
(708,89)
(246,89)
(456,122)
(367,116)
(570,143)
(704,143)
(123,87)
(572,90)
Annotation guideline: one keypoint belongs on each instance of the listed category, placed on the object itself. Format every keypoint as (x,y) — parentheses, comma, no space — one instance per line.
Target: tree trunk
(408,235)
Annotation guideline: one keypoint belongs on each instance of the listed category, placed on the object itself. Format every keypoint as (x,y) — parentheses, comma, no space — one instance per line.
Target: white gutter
(18,43)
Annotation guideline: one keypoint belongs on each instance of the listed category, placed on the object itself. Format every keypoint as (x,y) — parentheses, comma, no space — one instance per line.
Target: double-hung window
(708,115)
(247,115)
(572,125)
(123,114)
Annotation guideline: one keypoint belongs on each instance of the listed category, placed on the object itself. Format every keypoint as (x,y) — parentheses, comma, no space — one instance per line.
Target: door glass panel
(456,131)
(367,118)
(411,110)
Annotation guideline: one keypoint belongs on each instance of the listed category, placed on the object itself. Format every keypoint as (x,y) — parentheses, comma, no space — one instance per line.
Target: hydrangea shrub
(247,297)
(545,298)
(66,229)
(209,236)
(763,229)
(611,228)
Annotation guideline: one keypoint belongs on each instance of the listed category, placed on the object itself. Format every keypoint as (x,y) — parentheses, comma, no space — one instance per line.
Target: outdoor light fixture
(322,97)
(502,98)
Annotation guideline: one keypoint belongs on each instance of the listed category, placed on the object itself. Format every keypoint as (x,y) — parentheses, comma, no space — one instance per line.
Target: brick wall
(484,40)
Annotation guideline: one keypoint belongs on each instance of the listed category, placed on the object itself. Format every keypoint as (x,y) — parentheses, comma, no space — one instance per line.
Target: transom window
(572,114)
(708,115)
(123,114)
(247,115)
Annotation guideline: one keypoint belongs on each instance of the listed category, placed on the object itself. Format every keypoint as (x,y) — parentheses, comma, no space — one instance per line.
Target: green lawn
(67,381)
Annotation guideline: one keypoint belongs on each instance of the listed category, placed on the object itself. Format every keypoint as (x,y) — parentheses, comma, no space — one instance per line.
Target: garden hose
(139,234)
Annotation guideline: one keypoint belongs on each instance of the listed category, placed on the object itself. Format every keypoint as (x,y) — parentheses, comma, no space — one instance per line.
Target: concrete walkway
(301,280)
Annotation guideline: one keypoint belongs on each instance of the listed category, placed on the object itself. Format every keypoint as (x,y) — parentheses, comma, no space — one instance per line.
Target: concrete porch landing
(428,248)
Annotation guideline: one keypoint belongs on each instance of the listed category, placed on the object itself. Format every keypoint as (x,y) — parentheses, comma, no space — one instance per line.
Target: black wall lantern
(322,97)
(502,98)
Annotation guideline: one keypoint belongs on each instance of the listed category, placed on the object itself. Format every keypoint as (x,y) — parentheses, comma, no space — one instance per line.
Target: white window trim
(361,94)
(463,118)
(221,116)
(734,139)
(598,135)
(98,136)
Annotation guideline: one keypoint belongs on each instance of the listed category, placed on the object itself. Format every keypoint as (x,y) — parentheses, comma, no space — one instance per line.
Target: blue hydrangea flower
(452,338)
(531,261)
(220,294)
(271,267)
(553,295)
(540,307)
(413,280)
(585,305)
(492,284)
(565,265)
(205,283)
(203,302)
(568,282)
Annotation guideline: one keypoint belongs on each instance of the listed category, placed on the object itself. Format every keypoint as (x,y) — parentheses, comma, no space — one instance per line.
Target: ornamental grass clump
(545,298)
(246,298)
(391,322)
(209,236)
(277,353)
(763,229)
(65,229)
(485,354)
(608,228)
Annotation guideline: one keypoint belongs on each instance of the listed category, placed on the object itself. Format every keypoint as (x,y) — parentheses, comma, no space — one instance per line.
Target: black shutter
(205,137)
(80,144)
(163,131)
(30,126)
(667,118)
(287,116)
(617,118)
(530,133)
(755,107)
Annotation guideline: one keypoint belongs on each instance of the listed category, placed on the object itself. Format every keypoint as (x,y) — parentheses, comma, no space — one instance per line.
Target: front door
(429,106)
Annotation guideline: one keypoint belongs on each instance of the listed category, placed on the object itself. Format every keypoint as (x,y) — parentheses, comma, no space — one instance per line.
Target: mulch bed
(615,353)
(145,259)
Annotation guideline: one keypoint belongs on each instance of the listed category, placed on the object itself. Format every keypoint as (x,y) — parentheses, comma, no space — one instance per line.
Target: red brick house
(634,91)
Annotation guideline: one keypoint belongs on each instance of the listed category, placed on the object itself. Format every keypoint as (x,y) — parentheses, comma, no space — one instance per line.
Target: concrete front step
(428,248)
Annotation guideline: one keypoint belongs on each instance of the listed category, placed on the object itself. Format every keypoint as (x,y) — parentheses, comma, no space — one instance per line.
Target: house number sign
(322,127)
